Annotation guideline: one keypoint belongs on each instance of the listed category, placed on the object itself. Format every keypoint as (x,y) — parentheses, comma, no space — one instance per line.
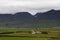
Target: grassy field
(20,38)
(24,34)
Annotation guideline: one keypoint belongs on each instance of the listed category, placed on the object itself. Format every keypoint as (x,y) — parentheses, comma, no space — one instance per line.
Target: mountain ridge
(50,18)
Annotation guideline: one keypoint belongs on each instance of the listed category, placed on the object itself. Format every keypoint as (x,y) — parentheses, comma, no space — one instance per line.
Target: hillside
(50,18)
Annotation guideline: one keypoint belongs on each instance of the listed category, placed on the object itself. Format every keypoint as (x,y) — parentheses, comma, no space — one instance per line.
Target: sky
(32,6)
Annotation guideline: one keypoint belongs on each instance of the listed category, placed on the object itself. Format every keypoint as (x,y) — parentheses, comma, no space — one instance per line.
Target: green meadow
(23,34)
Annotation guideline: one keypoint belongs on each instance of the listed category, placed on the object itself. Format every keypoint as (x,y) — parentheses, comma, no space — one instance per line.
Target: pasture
(24,34)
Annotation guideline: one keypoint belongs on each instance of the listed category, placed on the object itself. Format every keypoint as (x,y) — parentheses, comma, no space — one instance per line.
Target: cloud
(12,6)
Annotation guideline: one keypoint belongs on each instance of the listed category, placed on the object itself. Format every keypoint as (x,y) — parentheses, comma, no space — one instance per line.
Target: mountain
(19,19)
(50,15)
(23,19)
(49,19)
(5,16)
(23,16)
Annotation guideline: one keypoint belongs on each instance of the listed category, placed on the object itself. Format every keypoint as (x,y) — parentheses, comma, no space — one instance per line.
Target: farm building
(36,31)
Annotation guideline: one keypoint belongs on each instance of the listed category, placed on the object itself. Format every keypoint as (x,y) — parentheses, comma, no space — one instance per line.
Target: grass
(53,33)
(22,38)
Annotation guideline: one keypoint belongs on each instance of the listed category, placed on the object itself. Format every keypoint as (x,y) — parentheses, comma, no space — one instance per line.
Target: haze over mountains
(50,18)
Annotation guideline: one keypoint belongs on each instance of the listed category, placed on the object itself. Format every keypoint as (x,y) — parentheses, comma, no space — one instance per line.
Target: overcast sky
(32,6)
